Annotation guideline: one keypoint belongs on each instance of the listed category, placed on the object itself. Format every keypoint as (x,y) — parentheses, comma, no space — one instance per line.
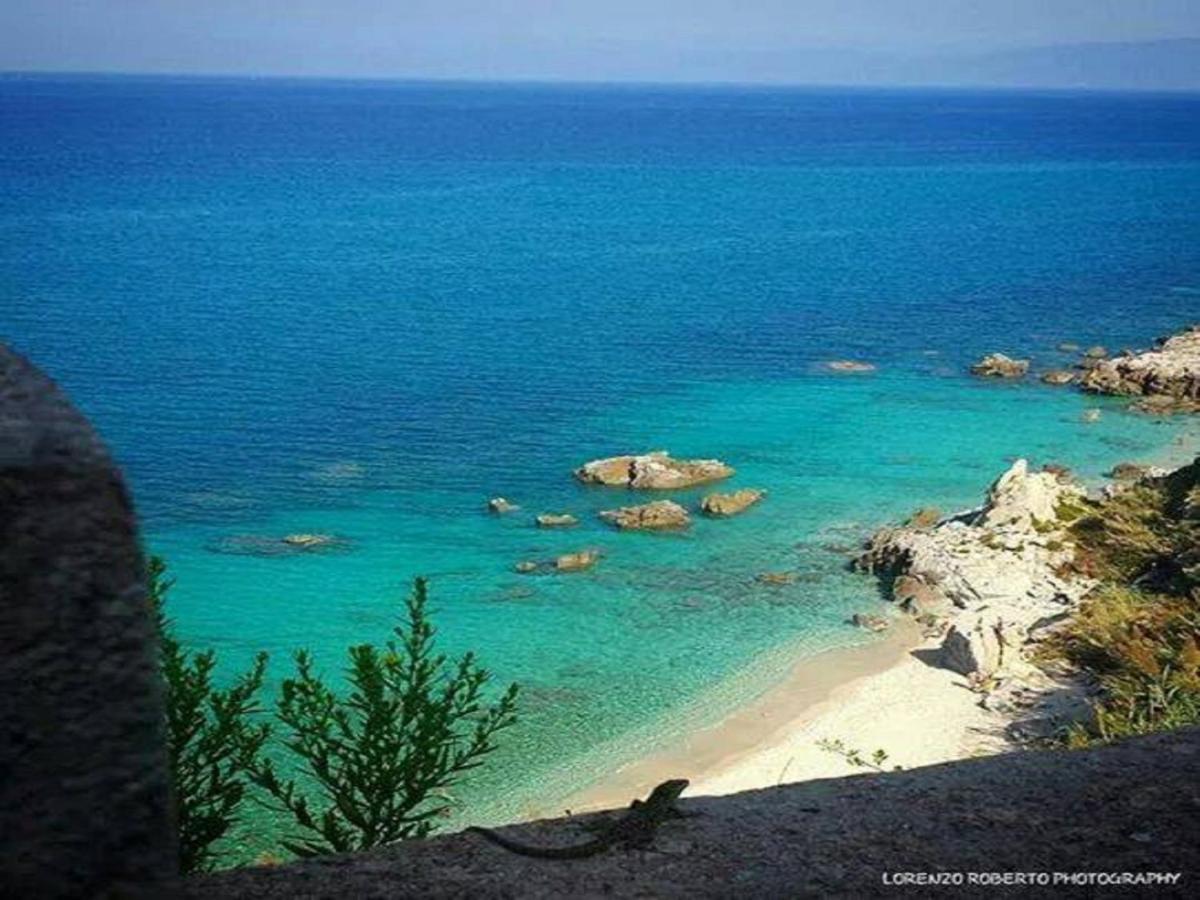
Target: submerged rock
(850,365)
(776,578)
(575,562)
(266,546)
(309,541)
(1068,347)
(1170,372)
(552,520)
(718,505)
(1058,376)
(526,566)
(500,506)
(657,516)
(870,622)
(652,471)
(1096,352)
(997,365)
(1091,415)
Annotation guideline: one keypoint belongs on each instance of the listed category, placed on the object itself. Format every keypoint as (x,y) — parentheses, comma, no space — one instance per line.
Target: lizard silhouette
(635,829)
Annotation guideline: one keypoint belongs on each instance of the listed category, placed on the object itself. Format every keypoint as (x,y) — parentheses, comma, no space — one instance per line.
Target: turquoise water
(364,309)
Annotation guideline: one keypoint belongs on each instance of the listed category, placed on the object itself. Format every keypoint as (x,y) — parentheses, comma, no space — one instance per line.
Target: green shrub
(378,761)
(212,742)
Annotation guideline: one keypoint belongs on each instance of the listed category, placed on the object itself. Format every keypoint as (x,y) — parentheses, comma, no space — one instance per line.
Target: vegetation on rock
(1139,634)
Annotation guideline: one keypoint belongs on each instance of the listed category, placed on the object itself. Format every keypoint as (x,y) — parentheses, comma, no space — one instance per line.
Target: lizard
(635,829)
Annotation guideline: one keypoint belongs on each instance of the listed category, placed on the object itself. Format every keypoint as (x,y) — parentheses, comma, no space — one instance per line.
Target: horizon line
(552,81)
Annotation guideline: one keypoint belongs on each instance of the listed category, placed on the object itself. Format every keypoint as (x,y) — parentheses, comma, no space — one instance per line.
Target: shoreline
(866,697)
(895,695)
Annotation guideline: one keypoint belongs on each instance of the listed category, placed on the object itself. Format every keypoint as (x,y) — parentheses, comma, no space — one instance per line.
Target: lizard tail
(576,852)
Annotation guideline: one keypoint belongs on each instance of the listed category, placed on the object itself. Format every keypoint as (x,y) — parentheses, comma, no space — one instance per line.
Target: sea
(362,309)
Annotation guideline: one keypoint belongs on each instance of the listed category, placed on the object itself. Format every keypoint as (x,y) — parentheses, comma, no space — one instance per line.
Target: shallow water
(363,309)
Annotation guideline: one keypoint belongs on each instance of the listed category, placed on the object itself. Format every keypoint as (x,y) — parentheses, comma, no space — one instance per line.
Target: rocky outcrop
(652,471)
(500,506)
(554,520)
(988,575)
(997,365)
(719,505)
(1167,377)
(661,515)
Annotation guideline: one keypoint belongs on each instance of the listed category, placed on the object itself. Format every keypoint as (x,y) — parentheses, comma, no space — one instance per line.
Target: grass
(1138,635)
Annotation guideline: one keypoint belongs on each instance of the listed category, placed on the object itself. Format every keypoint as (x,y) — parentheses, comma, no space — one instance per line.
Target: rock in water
(870,622)
(1068,347)
(576,562)
(551,520)
(526,566)
(652,471)
(661,515)
(1058,376)
(997,365)
(849,365)
(308,541)
(776,578)
(719,505)
(500,505)
(1167,377)
(1096,352)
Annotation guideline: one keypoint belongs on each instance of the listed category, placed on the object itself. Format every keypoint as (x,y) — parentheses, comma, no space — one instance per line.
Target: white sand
(878,697)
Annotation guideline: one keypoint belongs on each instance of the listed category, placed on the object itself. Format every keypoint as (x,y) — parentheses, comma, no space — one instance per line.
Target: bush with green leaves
(376,764)
(213,739)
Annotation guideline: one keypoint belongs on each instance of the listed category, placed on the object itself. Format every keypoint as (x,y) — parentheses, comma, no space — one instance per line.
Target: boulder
(553,520)
(661,515)
(1096,352)
(718,505)
(1170,371)
(849,365)
(870,622)
(1058,376)
(997,365)
(500,506)
(978,648)
(1021,498)
(652,471)
(575,562)
(917,597)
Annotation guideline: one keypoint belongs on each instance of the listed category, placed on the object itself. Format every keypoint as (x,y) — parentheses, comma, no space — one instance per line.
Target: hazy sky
(631,39)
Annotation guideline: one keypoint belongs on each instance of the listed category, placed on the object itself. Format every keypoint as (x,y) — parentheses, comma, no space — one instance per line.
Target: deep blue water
(366,307)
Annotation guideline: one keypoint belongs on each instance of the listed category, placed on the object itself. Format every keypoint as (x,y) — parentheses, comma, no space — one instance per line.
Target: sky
(813,41)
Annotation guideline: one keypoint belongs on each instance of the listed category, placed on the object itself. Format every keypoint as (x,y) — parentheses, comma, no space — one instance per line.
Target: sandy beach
(880,696)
